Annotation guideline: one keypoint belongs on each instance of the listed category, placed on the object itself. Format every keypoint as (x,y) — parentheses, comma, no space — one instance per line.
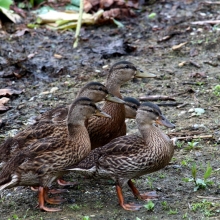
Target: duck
(43,161)
(132,156)
(52,123)
(95,91)
(131,107)
(102,131)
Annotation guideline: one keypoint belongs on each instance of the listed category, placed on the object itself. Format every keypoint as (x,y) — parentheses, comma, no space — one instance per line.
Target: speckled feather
(130,156)
(45,159)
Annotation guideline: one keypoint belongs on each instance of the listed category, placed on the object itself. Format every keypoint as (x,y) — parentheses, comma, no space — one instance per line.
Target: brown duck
(132,156)
(43,161)
(52,123)
(102,131)
(131,107)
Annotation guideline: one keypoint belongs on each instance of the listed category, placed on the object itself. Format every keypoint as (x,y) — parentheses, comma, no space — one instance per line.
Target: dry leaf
(3,101)
(58,56)
(9,92)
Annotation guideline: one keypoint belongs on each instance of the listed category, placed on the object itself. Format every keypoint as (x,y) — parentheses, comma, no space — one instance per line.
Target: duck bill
(112,98)
(165,122)
(141,74)
(102,114)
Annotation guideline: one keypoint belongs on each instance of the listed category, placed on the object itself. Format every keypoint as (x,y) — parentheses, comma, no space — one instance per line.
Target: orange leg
(41,195)
(64,183)
(52,200)
(145,196)
(131,207)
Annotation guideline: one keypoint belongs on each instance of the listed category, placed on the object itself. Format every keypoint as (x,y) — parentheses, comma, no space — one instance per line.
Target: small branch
(169,104)
(208,197)
(194,137)
(79,23)
(182,105)
(210,3)
(206,22)
(156,98)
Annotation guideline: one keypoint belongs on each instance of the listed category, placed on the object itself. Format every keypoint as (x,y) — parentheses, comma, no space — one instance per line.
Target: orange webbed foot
(131,206)
(64,183)
(148,196)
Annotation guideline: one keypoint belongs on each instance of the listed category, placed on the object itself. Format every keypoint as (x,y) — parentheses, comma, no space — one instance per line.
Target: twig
(194,137)
(194,64)
(206,22)
(169,103)
(210,3)
(156,98)
(182,133)
(79,23)
(208,197)
(182,105)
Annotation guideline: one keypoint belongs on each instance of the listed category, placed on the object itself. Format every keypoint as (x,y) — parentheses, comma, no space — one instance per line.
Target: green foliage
(74,207)
(152,16)
(165,205)
(172,212)
(200,183)
(149,206)
(205,206)
(86,218)
(5,3)
(216,90)
(192,145)
(179,144)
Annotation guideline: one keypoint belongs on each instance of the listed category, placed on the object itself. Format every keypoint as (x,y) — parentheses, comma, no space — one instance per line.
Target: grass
(205,207)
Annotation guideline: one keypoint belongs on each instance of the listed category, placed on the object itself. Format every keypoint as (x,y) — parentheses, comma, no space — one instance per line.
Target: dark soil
(189,74)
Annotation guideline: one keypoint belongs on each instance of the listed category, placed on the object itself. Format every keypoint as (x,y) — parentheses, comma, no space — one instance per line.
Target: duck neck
(76,128)
(113,87)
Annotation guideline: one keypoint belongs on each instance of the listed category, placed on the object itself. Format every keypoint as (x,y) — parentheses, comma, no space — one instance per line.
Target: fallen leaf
(20,33)
(198,75)
(182,64)
(58,56)
(12,16)
(9,92)
(199,111)
(3,101)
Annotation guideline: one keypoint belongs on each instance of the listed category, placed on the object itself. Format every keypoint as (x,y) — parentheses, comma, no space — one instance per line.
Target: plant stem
(79,22)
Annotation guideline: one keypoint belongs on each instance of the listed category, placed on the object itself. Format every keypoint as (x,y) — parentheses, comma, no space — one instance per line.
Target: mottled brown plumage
(131,156)
(102,131)
(42,162)
(51,123)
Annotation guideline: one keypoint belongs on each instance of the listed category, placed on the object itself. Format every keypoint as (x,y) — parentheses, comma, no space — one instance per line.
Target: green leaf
(152,15)
(75,2)
(71,8)
(149,206)
(118,23)
(208,172)
(194,171)
(5,3)
(200,183)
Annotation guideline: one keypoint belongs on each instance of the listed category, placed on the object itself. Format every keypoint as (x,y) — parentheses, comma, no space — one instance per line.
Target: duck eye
(100,88)
(134,107)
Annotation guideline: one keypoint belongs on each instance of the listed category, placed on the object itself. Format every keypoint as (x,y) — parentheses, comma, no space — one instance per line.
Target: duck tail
(8,175)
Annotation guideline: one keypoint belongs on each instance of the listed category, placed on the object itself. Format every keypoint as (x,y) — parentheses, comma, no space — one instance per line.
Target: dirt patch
(188,74)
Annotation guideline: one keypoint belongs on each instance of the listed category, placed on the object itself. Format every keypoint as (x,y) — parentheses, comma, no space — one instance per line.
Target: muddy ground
(188,74)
